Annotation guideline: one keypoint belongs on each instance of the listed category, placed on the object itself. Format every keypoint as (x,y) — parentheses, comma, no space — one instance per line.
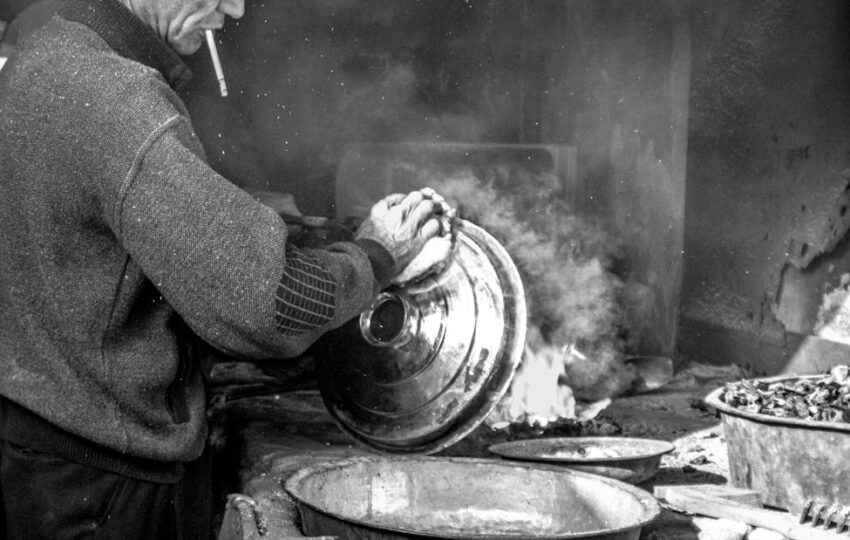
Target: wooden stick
(695,501)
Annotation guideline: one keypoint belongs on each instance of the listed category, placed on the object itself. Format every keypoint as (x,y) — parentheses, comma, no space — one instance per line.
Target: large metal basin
(464,498)
(787,460)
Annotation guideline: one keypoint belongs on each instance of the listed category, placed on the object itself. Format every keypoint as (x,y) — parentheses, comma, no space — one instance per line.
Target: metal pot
(789,461)
(427,362)
(462,498)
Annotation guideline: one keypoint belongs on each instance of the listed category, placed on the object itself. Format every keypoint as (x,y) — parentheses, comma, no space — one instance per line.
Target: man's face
(182,23)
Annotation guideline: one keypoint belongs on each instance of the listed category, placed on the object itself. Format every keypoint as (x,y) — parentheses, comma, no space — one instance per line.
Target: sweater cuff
(382,262)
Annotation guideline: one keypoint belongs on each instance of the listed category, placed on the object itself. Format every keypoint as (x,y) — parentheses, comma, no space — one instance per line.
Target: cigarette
(219,73)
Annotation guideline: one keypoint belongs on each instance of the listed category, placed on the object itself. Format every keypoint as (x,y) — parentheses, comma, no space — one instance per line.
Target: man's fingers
(429,193)
(422,213)
(434,253)
(441,206)
(409,203)
(431,228)
(393,199)
(383,207)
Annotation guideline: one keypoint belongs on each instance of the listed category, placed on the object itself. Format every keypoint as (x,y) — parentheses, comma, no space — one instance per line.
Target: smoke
(571,295)
(312,77)
(564,261)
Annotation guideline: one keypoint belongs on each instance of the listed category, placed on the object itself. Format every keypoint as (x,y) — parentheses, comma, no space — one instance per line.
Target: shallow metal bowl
(628,459)
(464,498)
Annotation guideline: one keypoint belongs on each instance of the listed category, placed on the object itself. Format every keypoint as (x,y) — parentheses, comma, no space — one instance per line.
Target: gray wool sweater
(119,244)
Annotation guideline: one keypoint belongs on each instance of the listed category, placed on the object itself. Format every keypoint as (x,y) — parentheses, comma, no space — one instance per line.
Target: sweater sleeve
(222,260)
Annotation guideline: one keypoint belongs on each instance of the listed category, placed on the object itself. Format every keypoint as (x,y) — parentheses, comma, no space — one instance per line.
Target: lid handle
(389,321)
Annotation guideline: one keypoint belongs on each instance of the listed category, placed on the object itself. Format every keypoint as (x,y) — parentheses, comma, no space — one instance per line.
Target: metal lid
(427,362)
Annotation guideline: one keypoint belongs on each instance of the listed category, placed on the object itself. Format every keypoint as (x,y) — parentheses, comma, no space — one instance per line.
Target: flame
(536,396)
(539,392)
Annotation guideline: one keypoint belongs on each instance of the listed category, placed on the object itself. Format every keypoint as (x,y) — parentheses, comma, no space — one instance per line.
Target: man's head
(181,23)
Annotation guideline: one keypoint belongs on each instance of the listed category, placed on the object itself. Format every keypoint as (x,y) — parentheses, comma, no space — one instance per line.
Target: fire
(571,364)
(540,392)
(537,395)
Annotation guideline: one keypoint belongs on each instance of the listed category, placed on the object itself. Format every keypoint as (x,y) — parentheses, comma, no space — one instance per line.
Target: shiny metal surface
(629,459)
(426,363)
(787,460)
(394,497)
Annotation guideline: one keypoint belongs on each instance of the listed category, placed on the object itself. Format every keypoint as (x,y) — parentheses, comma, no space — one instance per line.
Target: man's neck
(128,35)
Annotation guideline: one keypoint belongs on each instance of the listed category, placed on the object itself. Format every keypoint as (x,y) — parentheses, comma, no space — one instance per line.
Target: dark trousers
(48,497)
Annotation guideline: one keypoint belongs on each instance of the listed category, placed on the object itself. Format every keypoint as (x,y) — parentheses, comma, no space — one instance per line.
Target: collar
(128,36)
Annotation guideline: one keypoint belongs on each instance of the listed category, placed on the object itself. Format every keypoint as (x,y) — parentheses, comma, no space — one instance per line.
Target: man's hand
(404,224)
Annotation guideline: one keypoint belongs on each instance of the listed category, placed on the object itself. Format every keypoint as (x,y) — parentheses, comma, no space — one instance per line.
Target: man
(123,255)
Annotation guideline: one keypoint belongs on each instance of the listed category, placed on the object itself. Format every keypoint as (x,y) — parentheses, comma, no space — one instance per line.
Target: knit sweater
(119,244)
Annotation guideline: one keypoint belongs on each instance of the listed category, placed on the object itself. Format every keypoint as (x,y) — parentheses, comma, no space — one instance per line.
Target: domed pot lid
(427,362)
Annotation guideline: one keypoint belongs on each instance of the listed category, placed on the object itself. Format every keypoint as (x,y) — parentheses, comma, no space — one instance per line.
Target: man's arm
(223,261)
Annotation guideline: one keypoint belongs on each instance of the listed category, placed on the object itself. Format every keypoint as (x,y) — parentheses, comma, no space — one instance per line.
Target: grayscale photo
(424,269)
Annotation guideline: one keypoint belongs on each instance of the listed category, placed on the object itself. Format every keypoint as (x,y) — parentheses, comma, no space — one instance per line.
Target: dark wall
(619,75)
(309,77)
(767,188)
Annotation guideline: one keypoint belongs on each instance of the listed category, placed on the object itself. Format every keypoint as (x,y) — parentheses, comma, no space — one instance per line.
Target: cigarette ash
(572,363)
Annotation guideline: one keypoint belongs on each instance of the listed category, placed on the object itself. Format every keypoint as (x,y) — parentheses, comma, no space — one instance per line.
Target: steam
(561,257)
(575,320)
